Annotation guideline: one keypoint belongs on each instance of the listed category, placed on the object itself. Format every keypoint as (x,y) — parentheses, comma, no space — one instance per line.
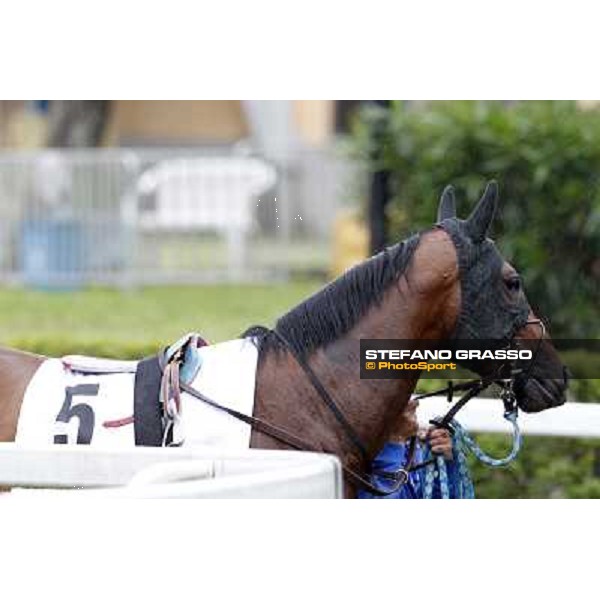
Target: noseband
(476,386)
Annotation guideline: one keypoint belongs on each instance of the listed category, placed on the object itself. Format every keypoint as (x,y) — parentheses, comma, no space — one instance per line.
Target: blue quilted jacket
(391,458)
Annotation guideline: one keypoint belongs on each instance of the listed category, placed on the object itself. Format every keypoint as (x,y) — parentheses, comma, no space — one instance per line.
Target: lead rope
(436,475)
(486,459)
(436,472)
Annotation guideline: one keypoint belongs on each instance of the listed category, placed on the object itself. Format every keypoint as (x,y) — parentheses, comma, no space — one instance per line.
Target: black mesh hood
(486,313)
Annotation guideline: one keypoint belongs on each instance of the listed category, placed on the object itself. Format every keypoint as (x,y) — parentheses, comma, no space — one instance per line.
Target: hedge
(109,348)
(546,158)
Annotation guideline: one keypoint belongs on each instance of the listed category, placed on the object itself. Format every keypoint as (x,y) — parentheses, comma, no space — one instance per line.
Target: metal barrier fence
(139,216)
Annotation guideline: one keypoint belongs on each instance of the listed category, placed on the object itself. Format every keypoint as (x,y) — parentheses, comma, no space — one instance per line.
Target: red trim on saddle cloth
(118,422)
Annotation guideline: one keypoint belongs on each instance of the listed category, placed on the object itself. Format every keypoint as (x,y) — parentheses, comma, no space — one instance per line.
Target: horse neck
(374,407)
(422,304)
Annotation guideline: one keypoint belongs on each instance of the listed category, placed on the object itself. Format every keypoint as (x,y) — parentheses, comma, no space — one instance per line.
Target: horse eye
(514,284)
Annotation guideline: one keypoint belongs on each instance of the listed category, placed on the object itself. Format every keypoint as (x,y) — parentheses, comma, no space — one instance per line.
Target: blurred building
(271,125)
(165,140)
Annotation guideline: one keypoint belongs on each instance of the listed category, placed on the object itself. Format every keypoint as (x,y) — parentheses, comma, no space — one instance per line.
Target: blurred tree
(77,123)
(546,157)
(380,186)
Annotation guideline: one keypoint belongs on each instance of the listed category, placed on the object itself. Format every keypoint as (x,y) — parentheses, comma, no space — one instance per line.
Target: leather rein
(172,387)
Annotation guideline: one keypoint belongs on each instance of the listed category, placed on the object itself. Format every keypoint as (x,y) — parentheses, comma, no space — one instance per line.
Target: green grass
(111,322)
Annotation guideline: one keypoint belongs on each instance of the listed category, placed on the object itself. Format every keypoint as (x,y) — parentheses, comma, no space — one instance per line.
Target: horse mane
(332,311)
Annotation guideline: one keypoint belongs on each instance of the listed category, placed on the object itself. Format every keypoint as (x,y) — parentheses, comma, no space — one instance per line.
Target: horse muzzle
(535,394)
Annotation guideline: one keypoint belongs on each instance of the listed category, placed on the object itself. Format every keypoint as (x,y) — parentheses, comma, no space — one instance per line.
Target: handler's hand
(440,441)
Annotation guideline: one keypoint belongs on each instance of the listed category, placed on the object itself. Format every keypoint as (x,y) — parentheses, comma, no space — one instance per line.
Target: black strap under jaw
(474,387)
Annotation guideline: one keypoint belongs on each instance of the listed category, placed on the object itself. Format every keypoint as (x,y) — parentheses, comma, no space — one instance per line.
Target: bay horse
(448,282)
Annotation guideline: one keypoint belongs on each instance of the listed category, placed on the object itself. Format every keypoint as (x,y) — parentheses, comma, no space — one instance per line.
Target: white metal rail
(573,419)
(169,472)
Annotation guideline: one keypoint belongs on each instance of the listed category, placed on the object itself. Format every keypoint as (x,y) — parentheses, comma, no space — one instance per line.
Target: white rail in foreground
(573,419)
(84,472)
(169,473)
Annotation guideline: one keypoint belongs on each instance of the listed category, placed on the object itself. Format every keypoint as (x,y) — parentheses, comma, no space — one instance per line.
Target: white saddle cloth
(87,399)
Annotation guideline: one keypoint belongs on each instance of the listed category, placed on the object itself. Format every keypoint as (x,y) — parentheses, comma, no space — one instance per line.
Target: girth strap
(147,412)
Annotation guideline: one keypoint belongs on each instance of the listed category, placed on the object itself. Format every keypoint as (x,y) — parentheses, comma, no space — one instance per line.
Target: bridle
(172,387)
(475,387)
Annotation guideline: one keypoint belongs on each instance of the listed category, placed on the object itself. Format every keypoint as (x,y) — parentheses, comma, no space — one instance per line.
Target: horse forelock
(335,309)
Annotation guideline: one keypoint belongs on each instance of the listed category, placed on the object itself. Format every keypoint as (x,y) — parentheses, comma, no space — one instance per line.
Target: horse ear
(482,216)
(447,206)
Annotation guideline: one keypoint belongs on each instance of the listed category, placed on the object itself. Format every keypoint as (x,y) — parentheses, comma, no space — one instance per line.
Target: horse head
(493,305)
